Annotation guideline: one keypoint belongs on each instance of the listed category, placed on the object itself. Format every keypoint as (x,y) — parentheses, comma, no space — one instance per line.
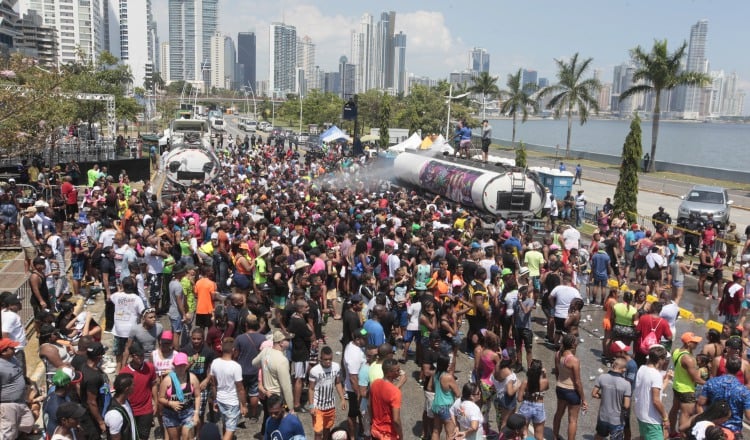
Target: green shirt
(624,314)
(168,265)
(260,267)
(187,290)
(682,382)
(93,175)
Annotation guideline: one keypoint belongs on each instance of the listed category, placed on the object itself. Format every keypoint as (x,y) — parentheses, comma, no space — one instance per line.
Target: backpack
(649,339)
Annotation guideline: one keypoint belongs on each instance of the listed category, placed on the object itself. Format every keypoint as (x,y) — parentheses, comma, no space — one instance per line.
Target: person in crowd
(728,388)
(179,397)
(653,419)
(385,404)
(569,388)
(231,400)
(67,421)
(276,377)
(324,383)
(119,418)
(282,424)
(15,414)
(615,392)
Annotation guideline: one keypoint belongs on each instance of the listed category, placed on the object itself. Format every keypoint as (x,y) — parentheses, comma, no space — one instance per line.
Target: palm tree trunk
(655,131)
(513,139)
(570,129)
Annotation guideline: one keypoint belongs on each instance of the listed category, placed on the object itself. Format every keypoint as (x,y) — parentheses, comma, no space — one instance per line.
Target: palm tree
(517,97)
(572,92)
(485,85)
(659,70)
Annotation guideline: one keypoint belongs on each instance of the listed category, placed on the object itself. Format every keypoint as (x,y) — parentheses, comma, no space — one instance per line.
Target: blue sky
(517,34)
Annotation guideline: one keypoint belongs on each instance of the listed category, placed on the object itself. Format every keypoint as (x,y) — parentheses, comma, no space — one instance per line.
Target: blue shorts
(176,326)
(676,283)
(402,318)
(118,346)
(442,412)
(571,397)
(241,281)
(533,411)
(596,281)
(535,281)
(176,419)
(250,381)
(410,335)
(605,429)
(79,267)
(230,415)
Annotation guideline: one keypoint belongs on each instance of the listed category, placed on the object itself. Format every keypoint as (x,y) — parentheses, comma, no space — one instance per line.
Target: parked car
(302,138)
(247,124)
(264,126)
(702,200)
(277,132)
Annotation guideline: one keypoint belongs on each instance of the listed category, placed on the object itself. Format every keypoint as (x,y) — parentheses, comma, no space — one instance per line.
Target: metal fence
(80,151)
(24,293)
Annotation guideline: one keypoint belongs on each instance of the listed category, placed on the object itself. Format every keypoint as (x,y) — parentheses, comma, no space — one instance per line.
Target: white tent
(335,134)
(411,144)
(440,146)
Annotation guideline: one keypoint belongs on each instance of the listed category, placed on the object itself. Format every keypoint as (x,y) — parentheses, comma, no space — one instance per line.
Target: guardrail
(24,293)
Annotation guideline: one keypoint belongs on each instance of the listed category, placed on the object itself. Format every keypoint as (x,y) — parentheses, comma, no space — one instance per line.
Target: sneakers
(90,302)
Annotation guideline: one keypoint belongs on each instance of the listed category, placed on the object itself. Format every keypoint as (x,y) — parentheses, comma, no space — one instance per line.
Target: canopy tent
(369,138)
(412,143)
(426,143)
(440,146)
(334,133)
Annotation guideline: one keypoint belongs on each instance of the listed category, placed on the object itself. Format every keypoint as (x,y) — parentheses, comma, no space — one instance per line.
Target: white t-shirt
(466,412)
(325,385)
(227,374)
(510,302)
(14,328)
(670,312)
(413,310)
(571,238)
(155,263)
(563,295)
(354,358)
(646,379)
(128,307)
(107,237)
(113,420)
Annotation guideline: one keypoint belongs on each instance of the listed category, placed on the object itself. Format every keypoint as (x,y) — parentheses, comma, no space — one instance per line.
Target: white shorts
(299,370)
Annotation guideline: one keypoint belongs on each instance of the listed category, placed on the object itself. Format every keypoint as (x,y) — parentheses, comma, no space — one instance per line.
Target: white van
(247,124)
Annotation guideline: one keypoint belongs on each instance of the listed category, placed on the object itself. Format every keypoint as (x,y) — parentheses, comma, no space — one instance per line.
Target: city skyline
(438,43)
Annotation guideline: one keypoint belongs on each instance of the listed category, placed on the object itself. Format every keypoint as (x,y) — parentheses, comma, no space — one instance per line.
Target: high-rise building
(465,78)
(10,29)
(363,54)
(192,23)
(78,25)
(347,75)
(332,83)
(164,58)
(479,60)
(528,77)
(282,76)
(131,33)
(37,40)
(605,96)
(696,62)
(543,82)
(306,62)
(400,84)
(223,56)
(246,57)
(386,30)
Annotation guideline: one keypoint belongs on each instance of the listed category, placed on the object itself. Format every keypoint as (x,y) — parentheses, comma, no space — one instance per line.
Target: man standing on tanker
(486,139)
(463,136)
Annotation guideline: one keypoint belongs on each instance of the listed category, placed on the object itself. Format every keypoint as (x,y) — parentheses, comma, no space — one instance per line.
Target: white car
(264,126)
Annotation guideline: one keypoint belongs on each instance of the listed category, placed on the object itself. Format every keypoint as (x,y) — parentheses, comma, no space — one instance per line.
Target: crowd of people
(250,270)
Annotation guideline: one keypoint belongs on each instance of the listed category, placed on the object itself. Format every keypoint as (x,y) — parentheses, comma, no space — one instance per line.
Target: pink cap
(167,335)
(180,359)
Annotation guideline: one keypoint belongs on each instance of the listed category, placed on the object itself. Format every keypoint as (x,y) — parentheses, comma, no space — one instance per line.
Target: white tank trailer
(506,193)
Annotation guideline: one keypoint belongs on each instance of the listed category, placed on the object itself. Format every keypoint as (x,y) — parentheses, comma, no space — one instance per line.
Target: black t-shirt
(452,262)
(316,317)
(108,267)
(201,359)
(248,347)
(509,260)
(95,382)
(430,356)
(350,322)
(302,339)
(280,287)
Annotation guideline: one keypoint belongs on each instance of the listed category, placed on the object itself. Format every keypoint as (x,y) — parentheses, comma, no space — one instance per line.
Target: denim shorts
(533,411)
(410,335)
(442,412)
(605,429)
(230,414)
(250,381)
(571,397)
(175,419)
(79,267)
(402,318)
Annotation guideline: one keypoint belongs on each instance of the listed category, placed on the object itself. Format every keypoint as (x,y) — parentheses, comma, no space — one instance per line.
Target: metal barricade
(24,293)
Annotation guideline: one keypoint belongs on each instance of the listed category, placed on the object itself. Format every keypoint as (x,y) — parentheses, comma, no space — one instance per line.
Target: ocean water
(716,145)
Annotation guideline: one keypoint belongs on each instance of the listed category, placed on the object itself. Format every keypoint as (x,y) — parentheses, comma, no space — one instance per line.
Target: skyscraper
(223,56)
(400,83)
(696,62)
(306,62)
(346,76)
(192,23)
(79,25)
(282,59)
(383,51)
(479,60)
(246,57)
(528,79)
(131,37)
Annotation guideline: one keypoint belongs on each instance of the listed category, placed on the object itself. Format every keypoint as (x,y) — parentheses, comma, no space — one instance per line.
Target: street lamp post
(450,99)
(252,93)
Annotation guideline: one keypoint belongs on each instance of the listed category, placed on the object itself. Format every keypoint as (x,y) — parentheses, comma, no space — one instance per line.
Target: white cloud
(432,50)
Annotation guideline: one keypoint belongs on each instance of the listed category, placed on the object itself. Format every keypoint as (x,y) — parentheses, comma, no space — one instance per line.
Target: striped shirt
(324,381)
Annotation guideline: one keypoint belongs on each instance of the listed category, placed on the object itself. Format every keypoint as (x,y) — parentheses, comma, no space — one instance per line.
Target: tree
(517,98)
(385,119)
(572,92)
(485,85)
(521,155)
(658,71)
(626,192)
(155,82)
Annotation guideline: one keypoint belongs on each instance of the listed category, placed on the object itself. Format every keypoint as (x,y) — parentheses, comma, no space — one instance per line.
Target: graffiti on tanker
(449,181)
